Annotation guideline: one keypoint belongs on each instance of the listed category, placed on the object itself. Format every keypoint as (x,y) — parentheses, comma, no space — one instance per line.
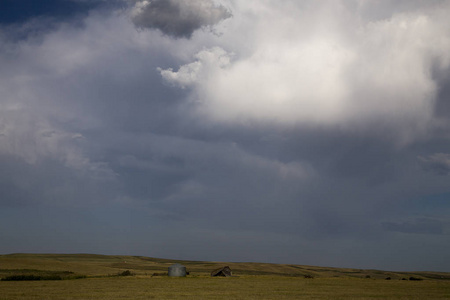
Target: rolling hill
(94,265)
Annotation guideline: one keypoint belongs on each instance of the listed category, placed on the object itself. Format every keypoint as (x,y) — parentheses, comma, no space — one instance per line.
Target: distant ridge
(104,265)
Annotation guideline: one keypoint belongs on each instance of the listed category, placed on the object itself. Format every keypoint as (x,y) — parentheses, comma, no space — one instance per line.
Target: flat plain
(86,276)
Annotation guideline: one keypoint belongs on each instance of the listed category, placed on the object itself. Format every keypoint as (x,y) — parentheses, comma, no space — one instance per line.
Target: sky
(300,132)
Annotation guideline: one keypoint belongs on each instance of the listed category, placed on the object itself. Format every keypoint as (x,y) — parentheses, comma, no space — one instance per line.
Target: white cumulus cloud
(327,64)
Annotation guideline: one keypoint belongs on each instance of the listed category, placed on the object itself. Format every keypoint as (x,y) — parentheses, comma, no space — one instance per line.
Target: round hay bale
(177,270)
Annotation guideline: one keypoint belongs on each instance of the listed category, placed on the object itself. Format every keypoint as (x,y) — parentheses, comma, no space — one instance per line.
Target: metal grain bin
(177,270)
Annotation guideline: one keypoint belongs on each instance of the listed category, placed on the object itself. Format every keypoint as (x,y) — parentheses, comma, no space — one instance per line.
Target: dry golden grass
(99,265)
(247,287)
(254,281)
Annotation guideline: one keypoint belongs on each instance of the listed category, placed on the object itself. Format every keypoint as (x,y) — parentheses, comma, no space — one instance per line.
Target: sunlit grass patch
(243,287)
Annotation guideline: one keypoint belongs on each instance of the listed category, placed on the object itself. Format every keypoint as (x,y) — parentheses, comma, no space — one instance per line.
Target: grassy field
(100,280)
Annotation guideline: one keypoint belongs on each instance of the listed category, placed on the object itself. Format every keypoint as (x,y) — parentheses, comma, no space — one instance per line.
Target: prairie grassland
(253,281)
(248,287)
(101,265)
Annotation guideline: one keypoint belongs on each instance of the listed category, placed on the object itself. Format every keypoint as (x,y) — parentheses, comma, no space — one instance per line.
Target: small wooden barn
(222,272)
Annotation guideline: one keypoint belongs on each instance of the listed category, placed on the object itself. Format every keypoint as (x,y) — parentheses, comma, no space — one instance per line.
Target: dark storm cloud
(438,163)
(442,108)
(49,182)
(177,18)
(418,226)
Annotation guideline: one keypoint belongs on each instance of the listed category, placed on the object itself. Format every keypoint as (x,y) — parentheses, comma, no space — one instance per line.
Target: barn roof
(224,271)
